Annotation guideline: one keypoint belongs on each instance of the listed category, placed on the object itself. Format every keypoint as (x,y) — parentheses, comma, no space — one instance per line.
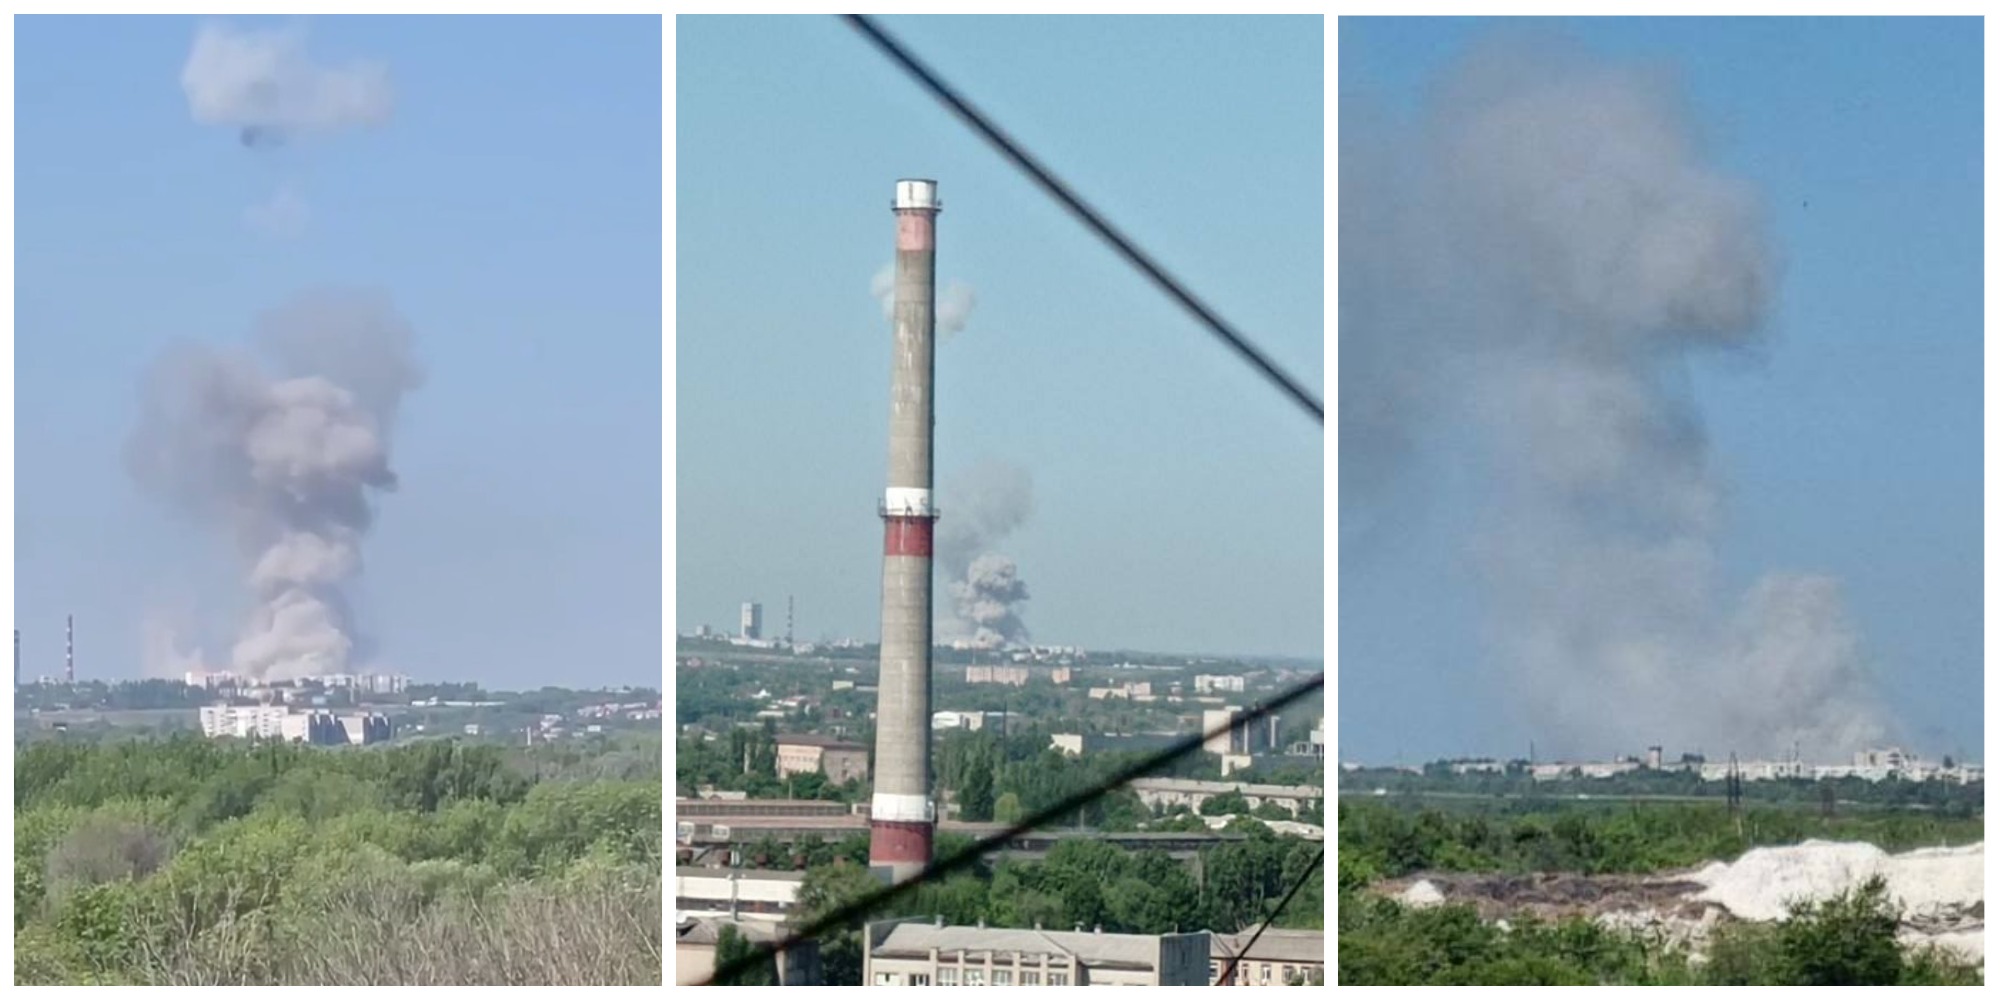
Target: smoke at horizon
(281,449)
(980,509)
(1531,267)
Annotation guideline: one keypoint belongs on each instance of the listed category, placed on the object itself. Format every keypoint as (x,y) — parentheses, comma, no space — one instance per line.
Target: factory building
(1167,793)
(736,893)
(838,759)
(920,952)
(1014,676)
(1279,957)
(695,939)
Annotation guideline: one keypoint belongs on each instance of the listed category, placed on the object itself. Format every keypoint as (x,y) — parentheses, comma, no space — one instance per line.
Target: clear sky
(510,205)
(1178,501)
(1851,447)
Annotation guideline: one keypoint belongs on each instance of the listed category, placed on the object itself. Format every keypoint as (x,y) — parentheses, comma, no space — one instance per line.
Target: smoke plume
(281,448)
(980,509)
(954,302)
(263,84)
(1530,269)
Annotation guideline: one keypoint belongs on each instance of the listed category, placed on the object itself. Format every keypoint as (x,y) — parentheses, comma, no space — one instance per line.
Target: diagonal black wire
(841,916)
(1311,870)
(1089,216)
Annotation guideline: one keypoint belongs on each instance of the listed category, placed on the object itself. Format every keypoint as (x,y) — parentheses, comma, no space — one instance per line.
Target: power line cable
(938,868)
(1089,216)
(1311,869)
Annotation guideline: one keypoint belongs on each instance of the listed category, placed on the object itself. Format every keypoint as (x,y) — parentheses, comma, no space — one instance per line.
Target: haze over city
(1132,478)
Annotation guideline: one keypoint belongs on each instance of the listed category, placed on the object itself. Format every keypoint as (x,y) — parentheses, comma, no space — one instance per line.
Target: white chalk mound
(1421,894)
(1763,882)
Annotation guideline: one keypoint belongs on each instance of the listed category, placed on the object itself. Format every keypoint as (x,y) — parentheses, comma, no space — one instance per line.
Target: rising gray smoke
(980,509)
(1530,269)
(282,448)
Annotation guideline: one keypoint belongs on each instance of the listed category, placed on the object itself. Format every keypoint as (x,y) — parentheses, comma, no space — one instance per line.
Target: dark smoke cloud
(1531,268)
(282,448)
(979,510)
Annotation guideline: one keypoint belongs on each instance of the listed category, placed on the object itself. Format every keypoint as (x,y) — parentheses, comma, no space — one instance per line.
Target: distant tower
(69,649)
(788,620)
(753,621)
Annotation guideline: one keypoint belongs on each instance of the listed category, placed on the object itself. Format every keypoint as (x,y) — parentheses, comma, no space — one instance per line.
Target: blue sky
(1852,446)
(511,208)
(1178,501)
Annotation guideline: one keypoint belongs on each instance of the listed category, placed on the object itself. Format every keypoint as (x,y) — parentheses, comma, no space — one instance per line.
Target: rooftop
(816,740)
(916,940)
(1276,945)
(1192,785)
(746,874)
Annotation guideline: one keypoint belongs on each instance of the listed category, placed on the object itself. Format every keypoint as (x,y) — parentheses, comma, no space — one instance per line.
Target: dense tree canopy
(163,861)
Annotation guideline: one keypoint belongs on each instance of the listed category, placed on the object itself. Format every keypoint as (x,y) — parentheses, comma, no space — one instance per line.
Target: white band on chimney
(906,500)
(902,808)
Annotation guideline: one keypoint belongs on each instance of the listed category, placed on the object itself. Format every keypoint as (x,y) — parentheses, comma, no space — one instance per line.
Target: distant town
(776,748)
(329,710)
(1875,764)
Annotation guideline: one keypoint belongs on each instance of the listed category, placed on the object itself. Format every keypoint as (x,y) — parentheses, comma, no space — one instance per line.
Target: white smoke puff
(264,83)
(286,462)
(954,302)
(1536,263)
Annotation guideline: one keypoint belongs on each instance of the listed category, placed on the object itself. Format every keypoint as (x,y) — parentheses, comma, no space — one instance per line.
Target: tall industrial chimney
(69,649)
(902,813)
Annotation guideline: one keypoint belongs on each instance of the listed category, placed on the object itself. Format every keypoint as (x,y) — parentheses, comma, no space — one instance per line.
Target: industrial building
(736,893)
(280,722)
(919,952)
(1170,792)
(1279,957)
(838,759)
(694,950)
(1012,676)
(1218,684)
(1250,736)
(753,621)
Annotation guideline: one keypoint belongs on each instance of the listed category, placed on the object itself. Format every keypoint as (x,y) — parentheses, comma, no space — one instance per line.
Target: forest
(195,862)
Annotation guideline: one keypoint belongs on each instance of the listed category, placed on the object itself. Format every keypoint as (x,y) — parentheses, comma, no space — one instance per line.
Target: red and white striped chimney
(902,813)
